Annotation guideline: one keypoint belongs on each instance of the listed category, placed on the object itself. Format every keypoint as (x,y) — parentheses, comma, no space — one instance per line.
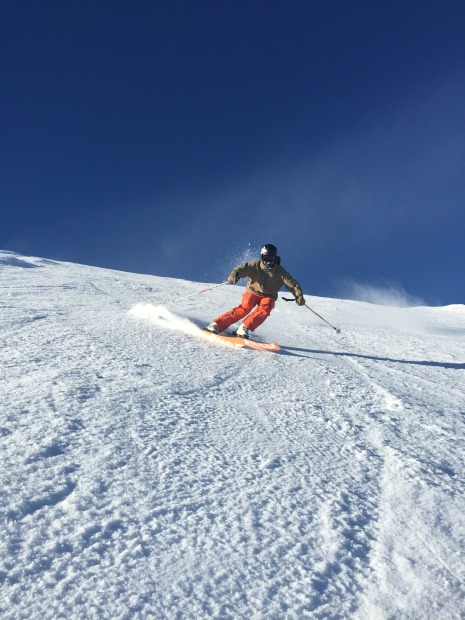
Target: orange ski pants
(257,307)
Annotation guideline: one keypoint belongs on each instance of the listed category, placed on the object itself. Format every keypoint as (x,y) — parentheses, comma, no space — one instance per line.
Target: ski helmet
(269,251)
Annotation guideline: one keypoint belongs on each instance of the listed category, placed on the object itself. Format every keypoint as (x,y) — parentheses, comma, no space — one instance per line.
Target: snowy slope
(147,473)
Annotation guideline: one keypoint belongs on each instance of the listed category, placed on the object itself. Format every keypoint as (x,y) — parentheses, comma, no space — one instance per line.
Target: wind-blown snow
(148,474)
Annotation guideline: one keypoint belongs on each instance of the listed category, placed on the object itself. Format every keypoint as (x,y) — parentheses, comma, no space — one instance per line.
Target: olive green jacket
(265,280)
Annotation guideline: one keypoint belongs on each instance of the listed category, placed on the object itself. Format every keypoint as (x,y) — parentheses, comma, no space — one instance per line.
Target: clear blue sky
(176,137)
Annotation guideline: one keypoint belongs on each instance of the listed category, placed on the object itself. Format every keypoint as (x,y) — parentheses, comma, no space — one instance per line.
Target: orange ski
(236,342)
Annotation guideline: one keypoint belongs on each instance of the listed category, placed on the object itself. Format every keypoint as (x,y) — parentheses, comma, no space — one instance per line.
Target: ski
(236,342)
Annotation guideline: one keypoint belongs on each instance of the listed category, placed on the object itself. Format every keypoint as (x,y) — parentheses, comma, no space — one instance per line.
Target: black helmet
(269,254)
(269,251)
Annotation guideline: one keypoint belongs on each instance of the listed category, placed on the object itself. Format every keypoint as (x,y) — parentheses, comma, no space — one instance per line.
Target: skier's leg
(260,313)
(249,300)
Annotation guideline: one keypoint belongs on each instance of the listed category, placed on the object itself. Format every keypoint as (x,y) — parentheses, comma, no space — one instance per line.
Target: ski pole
(204,290)
(338,331)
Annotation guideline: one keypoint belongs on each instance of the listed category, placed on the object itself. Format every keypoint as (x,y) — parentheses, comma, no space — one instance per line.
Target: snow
(147,473)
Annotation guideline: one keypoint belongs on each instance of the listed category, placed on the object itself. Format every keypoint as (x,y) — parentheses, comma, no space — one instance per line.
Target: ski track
(150,474)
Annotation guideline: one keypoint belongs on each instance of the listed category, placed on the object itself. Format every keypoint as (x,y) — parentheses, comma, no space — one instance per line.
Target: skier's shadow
(299,351)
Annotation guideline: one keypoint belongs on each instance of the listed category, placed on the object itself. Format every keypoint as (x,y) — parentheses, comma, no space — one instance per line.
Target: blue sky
(175,138)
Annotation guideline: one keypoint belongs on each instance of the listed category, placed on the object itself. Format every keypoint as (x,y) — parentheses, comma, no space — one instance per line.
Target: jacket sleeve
(292,285)
(242,271)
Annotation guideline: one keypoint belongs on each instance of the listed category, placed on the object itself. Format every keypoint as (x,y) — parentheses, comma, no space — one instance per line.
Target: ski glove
(300,300)
(233,279)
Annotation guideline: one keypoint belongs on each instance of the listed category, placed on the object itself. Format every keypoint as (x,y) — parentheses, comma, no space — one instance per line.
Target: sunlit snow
(149,474)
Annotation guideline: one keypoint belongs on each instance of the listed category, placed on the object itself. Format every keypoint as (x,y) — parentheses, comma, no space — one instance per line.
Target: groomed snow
(147,473)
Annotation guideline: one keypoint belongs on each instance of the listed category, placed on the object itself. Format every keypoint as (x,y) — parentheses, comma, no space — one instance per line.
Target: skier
(266,277)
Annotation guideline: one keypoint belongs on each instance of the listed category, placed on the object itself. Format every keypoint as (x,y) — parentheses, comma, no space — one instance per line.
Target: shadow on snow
(289,351)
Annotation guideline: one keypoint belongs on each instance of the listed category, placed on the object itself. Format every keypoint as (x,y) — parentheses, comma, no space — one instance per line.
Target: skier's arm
(293,286)
(242,271)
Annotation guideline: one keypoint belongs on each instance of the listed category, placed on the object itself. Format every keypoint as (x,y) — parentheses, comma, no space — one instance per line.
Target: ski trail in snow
(161,316)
